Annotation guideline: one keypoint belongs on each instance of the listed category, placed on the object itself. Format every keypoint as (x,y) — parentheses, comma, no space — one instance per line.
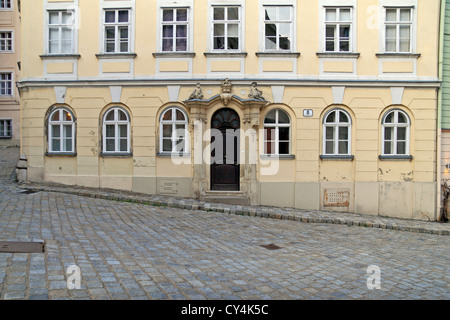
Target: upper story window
(116,131)
(338,29)
(277,133)
(6,41)
(226,28)
(6,4)
(337,132)
(398,30)
(278,28)
(5,128)
(175,30)
(6,84)
(173,131)
(395,128)
(60,32)
(61,131)
(117,31)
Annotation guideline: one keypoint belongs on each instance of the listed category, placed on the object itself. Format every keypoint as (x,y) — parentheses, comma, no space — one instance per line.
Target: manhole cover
(21,247)
(271,247)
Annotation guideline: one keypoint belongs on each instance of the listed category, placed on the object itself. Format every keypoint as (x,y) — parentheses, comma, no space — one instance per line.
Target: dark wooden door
(225,169)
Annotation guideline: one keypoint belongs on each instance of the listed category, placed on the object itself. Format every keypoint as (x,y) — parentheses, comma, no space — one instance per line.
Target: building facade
(9,73)
(318,104)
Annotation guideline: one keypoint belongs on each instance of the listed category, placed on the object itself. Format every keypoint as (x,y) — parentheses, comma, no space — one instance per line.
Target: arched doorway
(225,139)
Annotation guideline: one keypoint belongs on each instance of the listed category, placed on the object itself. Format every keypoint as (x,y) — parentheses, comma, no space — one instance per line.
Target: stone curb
(257,211)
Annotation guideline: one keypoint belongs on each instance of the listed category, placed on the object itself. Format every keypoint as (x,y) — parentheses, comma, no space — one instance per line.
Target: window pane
(330,15)
(167,31)
(68,145)
(283,148)
(123,145)
(391,15)
(53,17)
(67,18)
(345,15)
(271,117)
(167,115)
(110,145)
(180,131)
(55,116)
(284,13)
(110,16)
(401,133)
(219,29)
(344,46)
(123,31)
(269,134)
(181,45)
(233,43)
(405,46)
(271,13)
(110,33)
(167,45)
(283,117)
(67,131)
(110,116)
(233,30)
(402,118)
(219,13)
(56,145)
(285,43)
(167,14)
(167,131)
(167,145)
(343,118)
(331,118)
(284,134)
(110,131)
(219,43)
(182,31)
(233,13)
(329,133)
(329,147)
(389,118)
(67,116)
(123,131)
(388,147)
(343,147)
(401,147)
(56,131)
(122,115)
(182,15)
(180,116)
(343,133)
(405,15)
(388,133)
(123,16)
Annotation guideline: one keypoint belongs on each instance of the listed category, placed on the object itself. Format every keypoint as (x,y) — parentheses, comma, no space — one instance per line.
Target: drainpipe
(439,111)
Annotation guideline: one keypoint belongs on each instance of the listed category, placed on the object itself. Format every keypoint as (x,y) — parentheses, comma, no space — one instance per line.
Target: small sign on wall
(308,113)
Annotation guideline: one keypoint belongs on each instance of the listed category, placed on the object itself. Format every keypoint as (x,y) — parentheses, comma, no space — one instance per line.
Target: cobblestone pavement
(131,250)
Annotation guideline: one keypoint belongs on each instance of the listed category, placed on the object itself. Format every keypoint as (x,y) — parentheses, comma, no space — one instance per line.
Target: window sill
(396,158)
(5,138)
(116,155)
(225,54)
(116,55)
(338,55)
(60,154)
(278,54)
(277,156)
(337,157)
(59,56)
(173,54)
(398,55)
(173,154)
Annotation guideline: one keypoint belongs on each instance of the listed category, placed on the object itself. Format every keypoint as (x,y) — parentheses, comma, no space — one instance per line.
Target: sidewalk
(304,216)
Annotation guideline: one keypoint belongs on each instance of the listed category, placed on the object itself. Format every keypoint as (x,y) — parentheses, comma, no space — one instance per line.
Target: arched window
(277,133)
(61,131)
(173,131)
(395,130)
(337,133)
(116,131)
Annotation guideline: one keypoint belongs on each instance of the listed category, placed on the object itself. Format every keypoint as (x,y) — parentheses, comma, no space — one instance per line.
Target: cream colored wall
(367,22)
(10,106)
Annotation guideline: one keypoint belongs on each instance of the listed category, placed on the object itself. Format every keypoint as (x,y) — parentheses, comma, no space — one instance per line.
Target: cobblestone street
(134,251)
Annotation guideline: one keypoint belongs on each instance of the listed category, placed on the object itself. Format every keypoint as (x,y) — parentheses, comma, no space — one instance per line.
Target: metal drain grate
(271,247)
(21,247)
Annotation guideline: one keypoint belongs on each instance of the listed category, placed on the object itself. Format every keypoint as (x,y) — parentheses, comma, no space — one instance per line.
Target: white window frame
(276,126)
(398,24)
(6,40)
(337,24)
(11,94)
(174,122)
(175,25)
(60,26)
(3,134)
(291,21)
(226,22)
(61,123)
(116,122)
(4,8)
(336,125)
(116,24)
(394,141)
